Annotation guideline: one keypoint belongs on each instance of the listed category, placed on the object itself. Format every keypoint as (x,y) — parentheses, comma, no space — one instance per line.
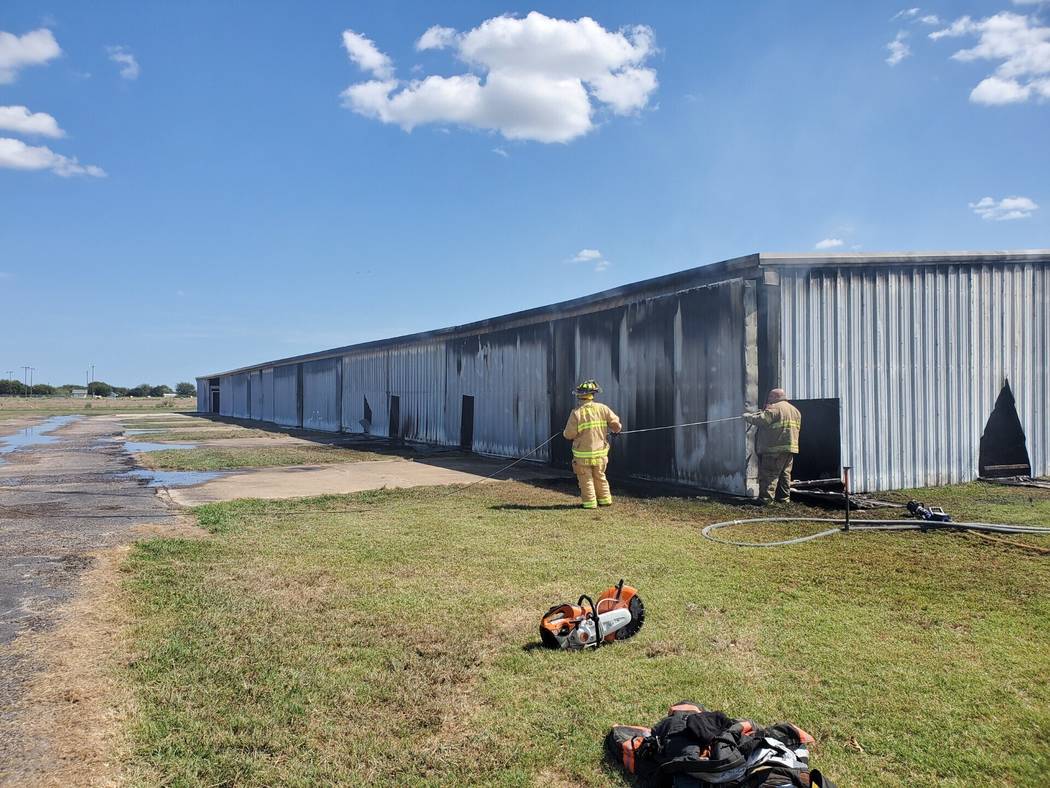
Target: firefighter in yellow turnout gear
(776,445)
(587,428)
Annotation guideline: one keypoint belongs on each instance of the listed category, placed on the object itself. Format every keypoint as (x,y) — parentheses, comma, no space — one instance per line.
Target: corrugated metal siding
(322,394)
(917,356)
(286,395)
(203,406)
(267,394)
(507,374)
(674,360)
(365,381)
(255,390)
(239,389)
(226,395)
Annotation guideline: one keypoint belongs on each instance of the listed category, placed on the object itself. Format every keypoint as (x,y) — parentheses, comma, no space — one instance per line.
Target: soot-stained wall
(662,360)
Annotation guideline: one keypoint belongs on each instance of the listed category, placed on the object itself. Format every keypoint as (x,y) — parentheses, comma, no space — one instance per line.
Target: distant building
(78,393)
(899,364)
(169,395)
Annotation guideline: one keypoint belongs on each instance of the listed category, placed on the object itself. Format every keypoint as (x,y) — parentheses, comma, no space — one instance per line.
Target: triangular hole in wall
(1003,446)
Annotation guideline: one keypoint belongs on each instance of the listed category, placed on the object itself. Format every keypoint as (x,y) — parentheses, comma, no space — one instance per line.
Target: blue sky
(246,208)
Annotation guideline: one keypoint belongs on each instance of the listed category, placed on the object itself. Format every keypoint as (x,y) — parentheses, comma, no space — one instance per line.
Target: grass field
(211,458)
(388,638)
(189,434)
(56,406)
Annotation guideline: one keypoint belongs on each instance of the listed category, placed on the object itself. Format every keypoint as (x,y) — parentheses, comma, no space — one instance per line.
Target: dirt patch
(75,707)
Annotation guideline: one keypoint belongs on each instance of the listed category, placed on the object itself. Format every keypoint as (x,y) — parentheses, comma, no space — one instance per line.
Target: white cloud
(129,66)
(367,57)
(16,155)
(501,152)
(898,49)
(592,256)
(930,19)
(905,13)
(436,37)
(1006,209)
(32,49)
(829,243)
(1022,48)
(21,121)
(532,78)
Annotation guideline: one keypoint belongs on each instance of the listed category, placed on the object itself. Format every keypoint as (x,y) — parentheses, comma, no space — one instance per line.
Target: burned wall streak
(917,355)
(663,361)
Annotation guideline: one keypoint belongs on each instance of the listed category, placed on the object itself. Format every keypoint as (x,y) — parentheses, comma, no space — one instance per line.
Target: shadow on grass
(525,507)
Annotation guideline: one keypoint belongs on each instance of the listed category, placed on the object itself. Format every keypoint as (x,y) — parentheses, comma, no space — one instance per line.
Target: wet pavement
(174,478)
(33,435)
(65,492)
(137,446)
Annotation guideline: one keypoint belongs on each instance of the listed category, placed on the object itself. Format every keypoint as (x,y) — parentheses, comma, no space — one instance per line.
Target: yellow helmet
(588,388)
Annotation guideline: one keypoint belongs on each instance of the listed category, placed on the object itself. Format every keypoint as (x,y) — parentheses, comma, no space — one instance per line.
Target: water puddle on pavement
(174,478)
(37,435)
(141,432)
(138,446)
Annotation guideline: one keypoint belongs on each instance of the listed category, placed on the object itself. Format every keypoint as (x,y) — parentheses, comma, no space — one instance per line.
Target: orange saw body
(617,614)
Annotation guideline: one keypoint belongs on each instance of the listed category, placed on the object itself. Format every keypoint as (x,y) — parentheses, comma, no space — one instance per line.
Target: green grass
(191,434)
(393,644)
(210,458)
(14,407)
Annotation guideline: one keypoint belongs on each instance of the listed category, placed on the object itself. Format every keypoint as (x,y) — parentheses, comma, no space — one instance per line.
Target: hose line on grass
(863,525)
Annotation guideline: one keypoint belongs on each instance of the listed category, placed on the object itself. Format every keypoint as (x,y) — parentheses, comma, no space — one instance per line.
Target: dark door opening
(1004,450)
(213,390)
(395,416)
(819,442)
(466,424)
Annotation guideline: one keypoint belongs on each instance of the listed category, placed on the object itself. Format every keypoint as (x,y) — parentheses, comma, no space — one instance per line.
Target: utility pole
(25,378)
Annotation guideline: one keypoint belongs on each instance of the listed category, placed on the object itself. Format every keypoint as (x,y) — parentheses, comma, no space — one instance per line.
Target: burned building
(914,369)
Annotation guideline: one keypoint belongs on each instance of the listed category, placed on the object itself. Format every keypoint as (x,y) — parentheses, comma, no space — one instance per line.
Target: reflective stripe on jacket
(587,428)
(778,428)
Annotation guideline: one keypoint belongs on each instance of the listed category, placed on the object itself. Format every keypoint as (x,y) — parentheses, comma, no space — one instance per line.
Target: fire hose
(864,525)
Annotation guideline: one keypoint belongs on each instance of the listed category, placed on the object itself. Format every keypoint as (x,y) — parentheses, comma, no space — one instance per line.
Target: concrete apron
(303,481)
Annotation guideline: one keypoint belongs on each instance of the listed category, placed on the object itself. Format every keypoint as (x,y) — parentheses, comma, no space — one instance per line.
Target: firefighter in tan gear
(776,444)
(587,428)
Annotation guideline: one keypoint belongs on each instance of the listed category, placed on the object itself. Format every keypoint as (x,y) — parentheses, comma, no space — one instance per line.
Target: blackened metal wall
(917,355)
(666,360)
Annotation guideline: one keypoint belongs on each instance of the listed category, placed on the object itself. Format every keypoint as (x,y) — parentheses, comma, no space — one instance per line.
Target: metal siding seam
(893,381)
(750,370)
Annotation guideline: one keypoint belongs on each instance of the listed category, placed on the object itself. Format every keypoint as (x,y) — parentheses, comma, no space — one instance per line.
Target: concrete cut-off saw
(618,614)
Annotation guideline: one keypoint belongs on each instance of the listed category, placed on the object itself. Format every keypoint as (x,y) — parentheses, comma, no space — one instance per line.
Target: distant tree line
(16,388)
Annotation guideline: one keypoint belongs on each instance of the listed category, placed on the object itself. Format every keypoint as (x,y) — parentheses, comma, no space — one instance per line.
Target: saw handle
(593,617)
